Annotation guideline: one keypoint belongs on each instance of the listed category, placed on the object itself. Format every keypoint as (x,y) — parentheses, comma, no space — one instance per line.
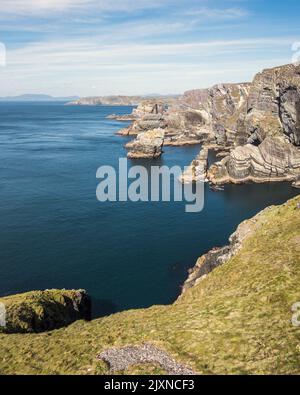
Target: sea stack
(147,145)
(197,171)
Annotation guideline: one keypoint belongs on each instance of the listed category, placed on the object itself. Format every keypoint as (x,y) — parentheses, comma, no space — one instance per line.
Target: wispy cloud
(43,7)
(218,14)
(94,48)
(125,46)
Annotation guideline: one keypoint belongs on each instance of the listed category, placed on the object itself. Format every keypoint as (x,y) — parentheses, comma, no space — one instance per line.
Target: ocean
(55,234)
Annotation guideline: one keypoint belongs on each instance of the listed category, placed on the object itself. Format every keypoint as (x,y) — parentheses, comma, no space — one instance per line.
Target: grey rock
(275,159)
(147,145)
(197,170)
(120,359)
(220,255)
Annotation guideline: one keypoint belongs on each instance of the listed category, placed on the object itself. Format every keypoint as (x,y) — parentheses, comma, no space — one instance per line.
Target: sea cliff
(253,126)
(44,311)
(234,316)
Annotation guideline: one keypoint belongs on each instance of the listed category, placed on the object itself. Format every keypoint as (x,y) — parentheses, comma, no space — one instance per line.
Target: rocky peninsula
(254,127)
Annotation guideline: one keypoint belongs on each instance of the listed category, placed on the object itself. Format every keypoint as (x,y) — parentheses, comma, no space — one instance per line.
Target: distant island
(36,98)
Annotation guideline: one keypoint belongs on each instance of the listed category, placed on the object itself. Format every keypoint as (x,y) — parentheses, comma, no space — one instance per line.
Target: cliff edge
(41,311)
(237,319)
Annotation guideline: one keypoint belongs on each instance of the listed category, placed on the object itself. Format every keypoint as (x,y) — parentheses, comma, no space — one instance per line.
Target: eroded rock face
(296,183)
(275,159)
(220,255)
(207,115)
(147,145)
(258,122)
(197,170)
(268,134)
(41,311)
(148,115)
(274,104)
(204,115)
(237,114)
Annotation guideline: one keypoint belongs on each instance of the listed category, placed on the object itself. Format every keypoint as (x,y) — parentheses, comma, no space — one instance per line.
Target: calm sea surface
(55,234)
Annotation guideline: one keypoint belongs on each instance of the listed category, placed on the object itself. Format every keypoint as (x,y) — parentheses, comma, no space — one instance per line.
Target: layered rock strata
(147,145)
(197,170)
(122,118)
(147,116)
(220,108)
(268,133)
(275,159)
(257,123)
(204,115)
(273,105)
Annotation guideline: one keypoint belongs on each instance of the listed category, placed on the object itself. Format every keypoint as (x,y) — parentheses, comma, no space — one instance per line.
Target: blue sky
(101,47)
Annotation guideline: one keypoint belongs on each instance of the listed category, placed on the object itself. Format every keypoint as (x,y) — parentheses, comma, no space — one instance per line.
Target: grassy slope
(237,320)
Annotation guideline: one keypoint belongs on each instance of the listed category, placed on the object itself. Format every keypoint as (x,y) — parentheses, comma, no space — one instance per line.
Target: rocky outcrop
(147,110)
(122,118)
(147,145)
(296,184)
(185,127)
(120,359)
(273,106)
(230,115)
(268,133)
(258,124)
(220,108)
(275,159)
(204,115)
(41,311)
(196,172)
(148,115)
(220,255)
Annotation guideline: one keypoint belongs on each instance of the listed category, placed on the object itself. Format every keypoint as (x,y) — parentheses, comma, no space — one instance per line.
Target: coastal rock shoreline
(219,256)
(147,145)
(254,127)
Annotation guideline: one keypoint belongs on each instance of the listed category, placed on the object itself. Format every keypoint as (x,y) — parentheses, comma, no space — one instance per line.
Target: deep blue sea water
(55,234)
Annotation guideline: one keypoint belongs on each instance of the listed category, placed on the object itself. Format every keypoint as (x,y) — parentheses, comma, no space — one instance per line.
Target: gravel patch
(119,359)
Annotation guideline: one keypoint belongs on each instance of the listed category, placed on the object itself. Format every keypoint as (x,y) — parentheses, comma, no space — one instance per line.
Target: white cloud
(73,67)
(158,51)
(89,50)
(218,14)
(38,6)
(44,7)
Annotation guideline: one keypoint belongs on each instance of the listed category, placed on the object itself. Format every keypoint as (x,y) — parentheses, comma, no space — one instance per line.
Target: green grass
(35,311)
(235,321)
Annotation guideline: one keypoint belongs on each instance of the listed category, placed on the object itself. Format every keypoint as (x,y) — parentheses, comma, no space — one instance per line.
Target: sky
(138,47)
